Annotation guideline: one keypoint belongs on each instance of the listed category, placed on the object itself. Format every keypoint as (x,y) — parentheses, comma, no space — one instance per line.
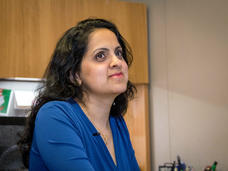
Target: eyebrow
(106,49)
(98,49)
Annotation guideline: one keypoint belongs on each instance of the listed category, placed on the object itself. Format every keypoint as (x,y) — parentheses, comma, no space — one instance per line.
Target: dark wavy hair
(59,81)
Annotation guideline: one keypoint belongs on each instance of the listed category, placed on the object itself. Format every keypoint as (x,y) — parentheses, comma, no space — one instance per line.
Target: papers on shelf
(23,99)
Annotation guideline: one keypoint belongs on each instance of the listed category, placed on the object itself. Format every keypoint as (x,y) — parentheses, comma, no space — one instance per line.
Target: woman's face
(103,68)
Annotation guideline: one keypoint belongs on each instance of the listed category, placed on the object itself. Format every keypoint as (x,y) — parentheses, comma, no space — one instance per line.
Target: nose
(115,62)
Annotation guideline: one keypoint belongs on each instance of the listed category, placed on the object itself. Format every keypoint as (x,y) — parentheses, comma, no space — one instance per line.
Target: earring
(113,103)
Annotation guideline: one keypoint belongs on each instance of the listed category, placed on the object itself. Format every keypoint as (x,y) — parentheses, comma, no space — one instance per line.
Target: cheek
(91,72)
(85,70)
(125,68)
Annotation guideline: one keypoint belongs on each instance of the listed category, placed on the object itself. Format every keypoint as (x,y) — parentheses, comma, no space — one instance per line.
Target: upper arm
(58,142)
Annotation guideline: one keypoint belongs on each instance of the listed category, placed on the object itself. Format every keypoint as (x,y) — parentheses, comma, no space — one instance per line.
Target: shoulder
(119,120)
(61,106)
(58,110)
(56,104)
(120,124)
(120,127)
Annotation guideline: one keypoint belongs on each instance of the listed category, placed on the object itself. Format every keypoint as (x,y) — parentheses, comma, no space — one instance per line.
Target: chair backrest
(11,159)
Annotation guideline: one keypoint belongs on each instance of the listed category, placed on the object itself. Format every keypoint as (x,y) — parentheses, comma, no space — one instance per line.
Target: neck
(97,110)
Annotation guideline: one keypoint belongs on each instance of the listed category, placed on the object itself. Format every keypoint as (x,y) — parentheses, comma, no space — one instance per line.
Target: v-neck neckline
(95,131)
(114,137)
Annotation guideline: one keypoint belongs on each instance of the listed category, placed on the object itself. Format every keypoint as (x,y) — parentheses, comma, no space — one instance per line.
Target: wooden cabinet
(29,30)
(137,119)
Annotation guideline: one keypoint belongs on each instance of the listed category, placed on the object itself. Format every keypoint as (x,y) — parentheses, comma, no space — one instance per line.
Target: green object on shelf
(4,100)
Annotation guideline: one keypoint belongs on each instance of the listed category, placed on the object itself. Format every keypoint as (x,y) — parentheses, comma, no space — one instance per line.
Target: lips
(119,74)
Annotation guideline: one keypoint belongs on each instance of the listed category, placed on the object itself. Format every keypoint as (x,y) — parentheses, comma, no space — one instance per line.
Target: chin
(119,90)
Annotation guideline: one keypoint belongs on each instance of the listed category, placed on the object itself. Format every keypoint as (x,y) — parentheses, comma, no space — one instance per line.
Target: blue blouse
(65,139)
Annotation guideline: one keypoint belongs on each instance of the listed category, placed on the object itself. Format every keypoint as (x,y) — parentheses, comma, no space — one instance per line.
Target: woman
(76,121)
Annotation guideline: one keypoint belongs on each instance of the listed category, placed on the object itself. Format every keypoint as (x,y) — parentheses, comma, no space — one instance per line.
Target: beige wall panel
(189,80)
(29,30)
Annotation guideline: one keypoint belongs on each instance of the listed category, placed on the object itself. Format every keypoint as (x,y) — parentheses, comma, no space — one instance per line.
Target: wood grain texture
(29,30)
(137,119)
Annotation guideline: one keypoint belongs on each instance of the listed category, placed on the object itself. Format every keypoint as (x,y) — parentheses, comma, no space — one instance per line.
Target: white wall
(188,51)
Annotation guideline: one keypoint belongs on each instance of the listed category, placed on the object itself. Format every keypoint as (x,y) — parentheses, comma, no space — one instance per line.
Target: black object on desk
(12,120)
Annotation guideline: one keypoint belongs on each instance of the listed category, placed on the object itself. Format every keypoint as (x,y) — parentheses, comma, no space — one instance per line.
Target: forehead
(101,37)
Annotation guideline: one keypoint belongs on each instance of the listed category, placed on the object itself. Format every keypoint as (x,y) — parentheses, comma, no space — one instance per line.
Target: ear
(75,79)
(78,79)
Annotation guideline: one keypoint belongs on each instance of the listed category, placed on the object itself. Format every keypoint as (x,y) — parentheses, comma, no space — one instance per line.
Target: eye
(119,54)
(100,56)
